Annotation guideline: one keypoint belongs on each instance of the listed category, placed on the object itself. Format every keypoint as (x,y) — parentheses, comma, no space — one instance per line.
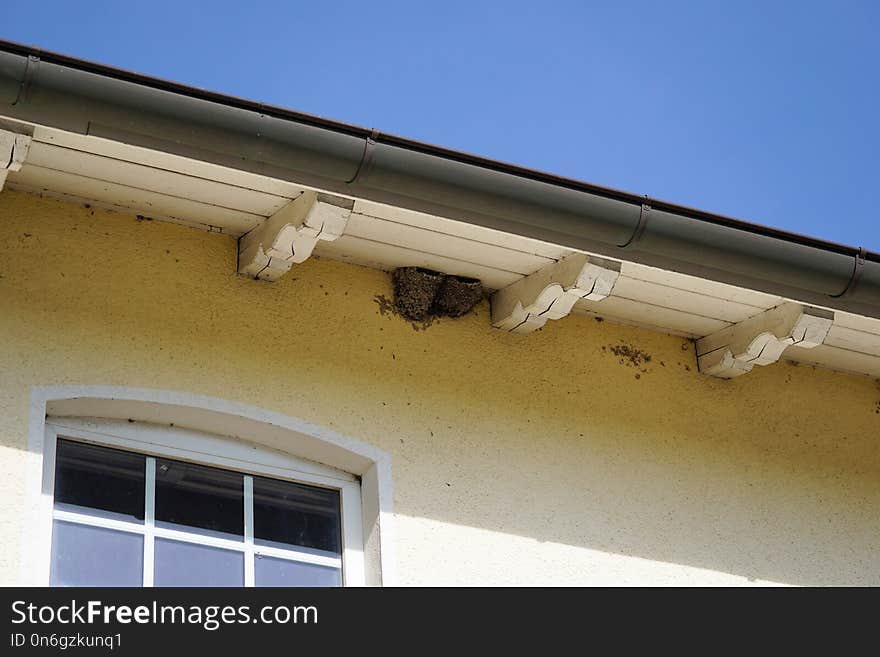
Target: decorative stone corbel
(760,340)
(289,236)
(551,292)
(13,152)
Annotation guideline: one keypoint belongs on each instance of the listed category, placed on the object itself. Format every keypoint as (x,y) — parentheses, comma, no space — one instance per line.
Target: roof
(137,144)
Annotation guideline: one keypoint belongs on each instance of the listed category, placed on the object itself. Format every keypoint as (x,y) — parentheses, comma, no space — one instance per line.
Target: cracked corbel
(551,292)
(289,236)
(760,340)
(13,152)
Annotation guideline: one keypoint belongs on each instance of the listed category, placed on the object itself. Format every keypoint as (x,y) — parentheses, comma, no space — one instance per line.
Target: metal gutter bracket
(289,236)
(551,292)
(13,152)
(760,340)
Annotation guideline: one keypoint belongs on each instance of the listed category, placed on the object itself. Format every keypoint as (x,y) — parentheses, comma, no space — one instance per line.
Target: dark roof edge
(424,147)
(376,176)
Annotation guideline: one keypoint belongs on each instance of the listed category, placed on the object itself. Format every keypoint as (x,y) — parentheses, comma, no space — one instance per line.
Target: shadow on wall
(584,434)
(602,437)
(720,502)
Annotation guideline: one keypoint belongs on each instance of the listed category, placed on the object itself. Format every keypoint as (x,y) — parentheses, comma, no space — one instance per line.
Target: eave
(172,153)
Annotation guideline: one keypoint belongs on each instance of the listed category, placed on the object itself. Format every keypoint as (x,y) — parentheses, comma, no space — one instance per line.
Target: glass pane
(186,564)
(287,514)
(269,571)
(88,477)
(209,499)
(83,555)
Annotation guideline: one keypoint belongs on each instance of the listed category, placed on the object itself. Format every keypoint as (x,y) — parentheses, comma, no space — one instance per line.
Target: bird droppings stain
(631,356)
(385,306)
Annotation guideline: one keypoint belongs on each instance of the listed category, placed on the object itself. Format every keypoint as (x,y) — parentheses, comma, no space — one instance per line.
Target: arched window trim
(225,433)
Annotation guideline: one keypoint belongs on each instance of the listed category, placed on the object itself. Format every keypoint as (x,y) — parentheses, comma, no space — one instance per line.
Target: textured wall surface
(538,459)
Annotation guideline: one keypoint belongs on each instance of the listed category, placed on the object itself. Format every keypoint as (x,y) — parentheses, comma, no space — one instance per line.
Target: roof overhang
(294,184)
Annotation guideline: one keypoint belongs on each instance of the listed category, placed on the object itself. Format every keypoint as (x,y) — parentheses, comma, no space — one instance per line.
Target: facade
(668,425)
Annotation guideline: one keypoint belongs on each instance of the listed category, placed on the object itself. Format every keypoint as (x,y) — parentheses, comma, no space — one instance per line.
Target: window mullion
(249,530)
(279,499)
(149,520)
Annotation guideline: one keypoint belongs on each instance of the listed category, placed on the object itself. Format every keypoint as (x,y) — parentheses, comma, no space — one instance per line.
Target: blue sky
(767,111)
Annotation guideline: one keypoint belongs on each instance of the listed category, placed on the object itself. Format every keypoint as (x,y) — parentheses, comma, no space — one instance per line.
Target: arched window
(143,487)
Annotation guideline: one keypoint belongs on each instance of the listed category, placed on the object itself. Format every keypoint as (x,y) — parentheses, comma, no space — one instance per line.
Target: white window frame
(154,441)
(263,430)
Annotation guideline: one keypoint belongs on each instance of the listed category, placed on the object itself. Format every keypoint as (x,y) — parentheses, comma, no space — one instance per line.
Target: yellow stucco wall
(539,459)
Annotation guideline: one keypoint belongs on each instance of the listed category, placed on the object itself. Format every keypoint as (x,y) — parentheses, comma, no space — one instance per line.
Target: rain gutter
(57,91)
